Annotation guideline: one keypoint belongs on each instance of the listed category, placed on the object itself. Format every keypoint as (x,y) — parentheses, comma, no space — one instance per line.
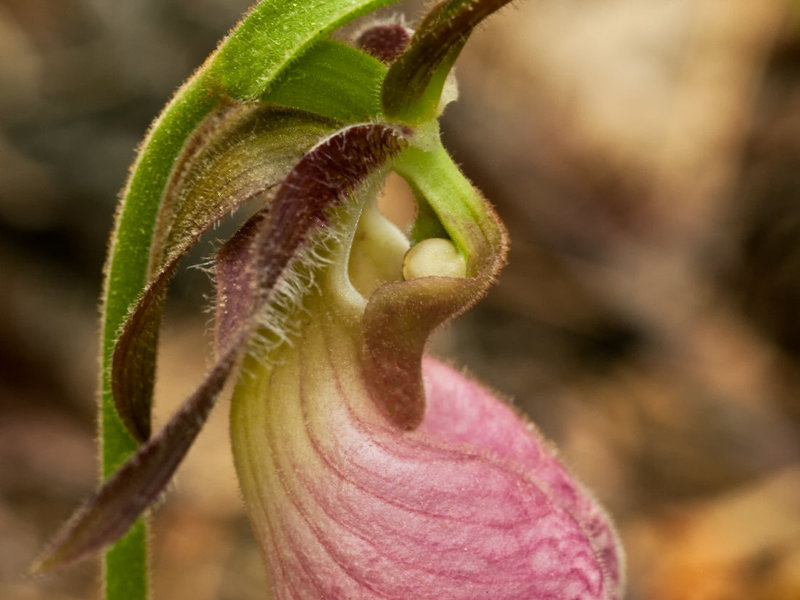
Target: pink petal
(347,505)
(462,411)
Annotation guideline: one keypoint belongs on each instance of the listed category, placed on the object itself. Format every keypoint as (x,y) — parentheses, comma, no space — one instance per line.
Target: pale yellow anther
(435,257)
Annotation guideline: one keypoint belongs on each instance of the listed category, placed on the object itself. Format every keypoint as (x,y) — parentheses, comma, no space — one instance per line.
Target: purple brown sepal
(238,153)
(319,184)
(236,283)
(255,260)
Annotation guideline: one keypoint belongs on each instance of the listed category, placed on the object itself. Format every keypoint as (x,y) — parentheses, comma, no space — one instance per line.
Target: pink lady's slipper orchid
(368,469)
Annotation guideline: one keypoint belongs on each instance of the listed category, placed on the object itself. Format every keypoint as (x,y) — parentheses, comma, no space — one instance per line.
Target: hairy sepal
(313,208)
(239,153)
(257,52)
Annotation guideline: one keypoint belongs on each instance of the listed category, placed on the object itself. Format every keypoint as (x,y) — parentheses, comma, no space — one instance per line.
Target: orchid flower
(368,469)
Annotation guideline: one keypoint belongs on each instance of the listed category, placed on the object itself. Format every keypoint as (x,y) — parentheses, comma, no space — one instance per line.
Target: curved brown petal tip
(400,317)
(134,359)
(106,516)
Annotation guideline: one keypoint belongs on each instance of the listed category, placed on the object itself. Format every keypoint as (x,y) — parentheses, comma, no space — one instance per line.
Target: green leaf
(273,36)
(334,80)
(414,83)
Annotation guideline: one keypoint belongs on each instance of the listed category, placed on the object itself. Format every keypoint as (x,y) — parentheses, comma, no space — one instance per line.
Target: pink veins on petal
(472,504)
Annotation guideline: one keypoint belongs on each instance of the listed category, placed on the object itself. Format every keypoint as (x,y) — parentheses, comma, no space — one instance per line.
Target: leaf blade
(334,80)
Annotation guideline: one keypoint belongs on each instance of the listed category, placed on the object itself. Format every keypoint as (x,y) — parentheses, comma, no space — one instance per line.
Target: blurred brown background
(645,155)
